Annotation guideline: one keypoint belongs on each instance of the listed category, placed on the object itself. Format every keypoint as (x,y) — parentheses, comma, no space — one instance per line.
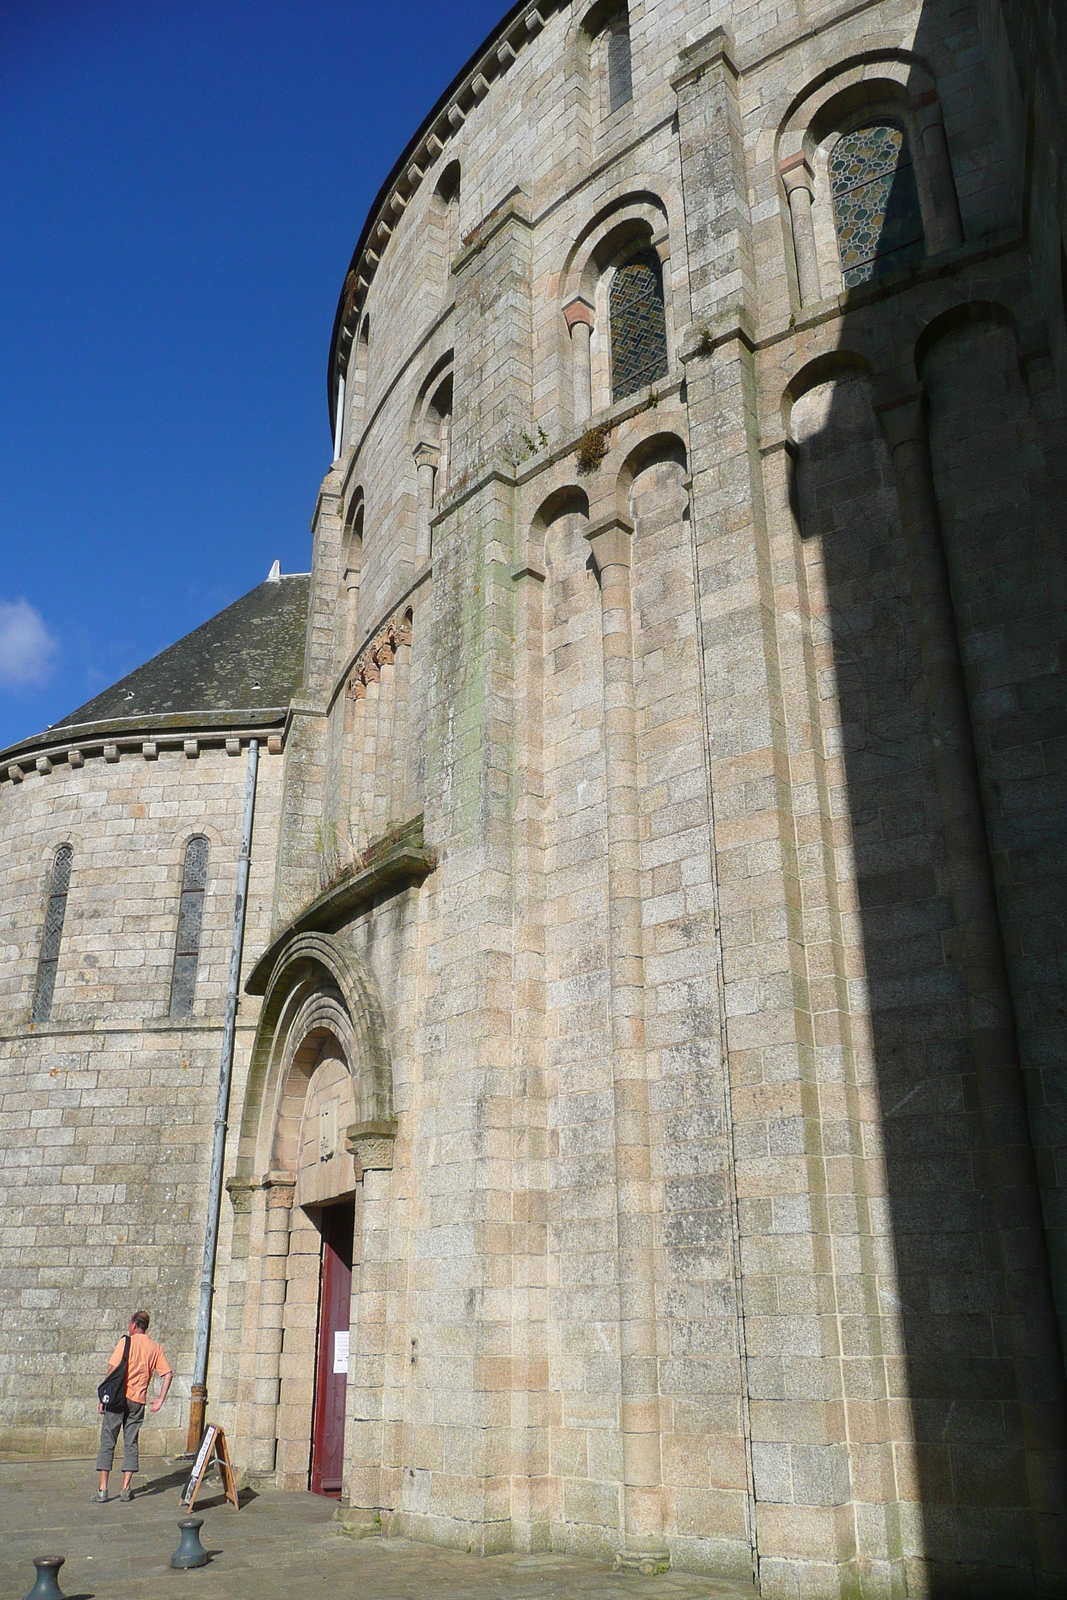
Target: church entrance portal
(331,1361)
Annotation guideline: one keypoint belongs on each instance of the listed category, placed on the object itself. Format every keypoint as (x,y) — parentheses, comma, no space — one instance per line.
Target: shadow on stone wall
(928,485)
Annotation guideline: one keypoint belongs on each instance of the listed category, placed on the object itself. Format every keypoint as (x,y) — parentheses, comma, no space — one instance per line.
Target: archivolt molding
(316,978)
(873,76)
(430,387)
(637,214)
(635,443)
(888,82)
(319,1015)
(837,363)
(640,441)
(842,362)
(968,313)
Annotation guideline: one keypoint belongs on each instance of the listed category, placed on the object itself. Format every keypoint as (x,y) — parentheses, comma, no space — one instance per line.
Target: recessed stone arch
(639,441)
(316,970)
(889,86)
(627,226)
(968,313)
(662,445)
(431,441)
(320,1064)
(822,369)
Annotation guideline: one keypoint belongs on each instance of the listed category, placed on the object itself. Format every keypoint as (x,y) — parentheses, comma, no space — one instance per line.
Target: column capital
(371,1143)
(240,1191)
(578,310)
(610,541)
(279,1188)
(796,173)
(427,455)
(902,418)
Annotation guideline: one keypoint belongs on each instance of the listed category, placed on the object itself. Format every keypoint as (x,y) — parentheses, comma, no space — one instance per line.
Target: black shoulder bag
(112,1391)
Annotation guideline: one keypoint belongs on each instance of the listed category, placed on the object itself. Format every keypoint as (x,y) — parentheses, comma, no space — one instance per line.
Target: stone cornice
(91,1027)
(188,731)
(427,147)
(389,866)
(698,58)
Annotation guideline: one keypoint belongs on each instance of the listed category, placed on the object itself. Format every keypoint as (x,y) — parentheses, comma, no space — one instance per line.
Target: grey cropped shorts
(129,1419)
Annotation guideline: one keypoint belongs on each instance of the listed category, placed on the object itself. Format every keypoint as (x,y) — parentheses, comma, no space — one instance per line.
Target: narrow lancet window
(53,933)
(638,325)
(190,916)
(876,204)
(620,70)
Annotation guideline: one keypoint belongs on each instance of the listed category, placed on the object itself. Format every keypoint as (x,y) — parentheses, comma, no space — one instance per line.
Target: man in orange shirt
(146,1358)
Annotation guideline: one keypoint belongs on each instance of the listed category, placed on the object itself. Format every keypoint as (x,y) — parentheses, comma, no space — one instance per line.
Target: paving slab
(277,1547)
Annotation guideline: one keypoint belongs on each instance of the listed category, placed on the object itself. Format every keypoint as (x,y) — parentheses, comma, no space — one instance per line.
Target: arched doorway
(317,1105)
(319,1083)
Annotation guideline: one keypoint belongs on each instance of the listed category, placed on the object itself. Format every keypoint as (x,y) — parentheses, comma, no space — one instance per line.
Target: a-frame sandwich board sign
(212,1448)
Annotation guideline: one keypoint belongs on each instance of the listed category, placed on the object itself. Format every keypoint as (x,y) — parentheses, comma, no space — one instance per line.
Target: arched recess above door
(316,964)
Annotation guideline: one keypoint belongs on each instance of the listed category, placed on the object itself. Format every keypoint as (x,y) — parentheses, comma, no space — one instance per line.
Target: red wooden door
(331,1372)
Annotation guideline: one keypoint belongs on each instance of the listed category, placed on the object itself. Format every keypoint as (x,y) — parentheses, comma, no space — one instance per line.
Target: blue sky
(183,183)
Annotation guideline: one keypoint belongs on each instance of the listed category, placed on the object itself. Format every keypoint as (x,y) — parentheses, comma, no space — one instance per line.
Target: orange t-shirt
(146,1357)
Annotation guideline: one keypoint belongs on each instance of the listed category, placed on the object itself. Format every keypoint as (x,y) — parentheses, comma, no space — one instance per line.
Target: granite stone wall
(711,1126)
(668,839)
(107,1107)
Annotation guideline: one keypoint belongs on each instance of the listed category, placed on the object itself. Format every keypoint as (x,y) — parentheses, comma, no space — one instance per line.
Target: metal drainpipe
(198,1405)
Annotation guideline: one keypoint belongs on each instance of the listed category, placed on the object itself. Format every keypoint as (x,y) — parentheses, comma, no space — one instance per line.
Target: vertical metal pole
(198,1406)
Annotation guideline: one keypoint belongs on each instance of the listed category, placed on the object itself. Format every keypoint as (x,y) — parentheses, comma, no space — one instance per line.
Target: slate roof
(248,659)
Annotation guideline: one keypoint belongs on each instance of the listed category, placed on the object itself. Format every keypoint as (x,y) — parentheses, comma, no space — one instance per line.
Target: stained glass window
(190,915)
(53,933)
(620,74)
(876,203)
(638,325)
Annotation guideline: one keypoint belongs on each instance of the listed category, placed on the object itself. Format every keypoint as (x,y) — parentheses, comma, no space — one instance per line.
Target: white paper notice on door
(340,1351)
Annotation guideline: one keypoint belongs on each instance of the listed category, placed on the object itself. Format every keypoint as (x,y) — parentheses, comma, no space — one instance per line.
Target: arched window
(638,325)
(53,933)
(352,564)
(190,916)
(433,435)
(876,203)
(620,74)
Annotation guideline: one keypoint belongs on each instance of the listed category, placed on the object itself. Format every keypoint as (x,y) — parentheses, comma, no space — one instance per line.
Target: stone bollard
(190,1552)
(46,1584)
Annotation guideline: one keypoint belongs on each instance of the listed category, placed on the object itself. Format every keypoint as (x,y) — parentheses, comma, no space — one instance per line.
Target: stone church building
(647,1127)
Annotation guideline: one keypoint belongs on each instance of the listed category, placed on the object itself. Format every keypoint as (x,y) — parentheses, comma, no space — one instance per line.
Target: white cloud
(27,650)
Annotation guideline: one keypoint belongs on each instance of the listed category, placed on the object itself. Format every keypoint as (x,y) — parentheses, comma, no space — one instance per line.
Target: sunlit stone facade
(663,974)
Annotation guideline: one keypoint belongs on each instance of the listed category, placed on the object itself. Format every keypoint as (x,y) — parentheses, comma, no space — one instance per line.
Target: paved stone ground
(278,1547)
